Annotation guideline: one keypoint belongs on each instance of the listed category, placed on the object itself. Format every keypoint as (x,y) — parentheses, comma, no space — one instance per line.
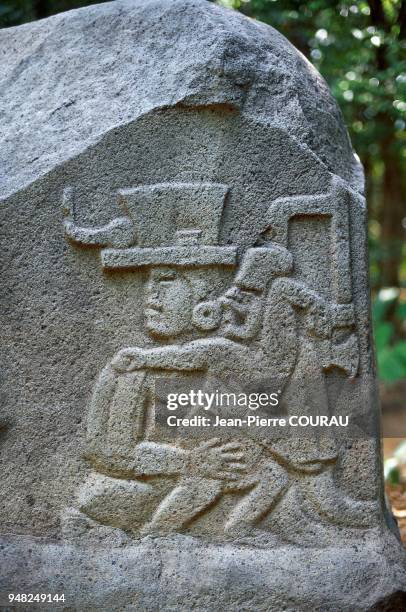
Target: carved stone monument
(180,199)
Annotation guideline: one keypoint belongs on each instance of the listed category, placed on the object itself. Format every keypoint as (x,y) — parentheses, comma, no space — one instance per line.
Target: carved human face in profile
(168,302)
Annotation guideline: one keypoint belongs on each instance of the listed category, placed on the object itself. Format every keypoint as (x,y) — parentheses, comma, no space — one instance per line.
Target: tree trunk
(393,211)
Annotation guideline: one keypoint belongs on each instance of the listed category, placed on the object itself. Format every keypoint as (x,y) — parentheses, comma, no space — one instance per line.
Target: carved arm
(193,356)
(299,296)
(115,423)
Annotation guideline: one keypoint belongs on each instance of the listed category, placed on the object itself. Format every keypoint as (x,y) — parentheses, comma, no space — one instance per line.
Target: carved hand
(214,460)
(128,360)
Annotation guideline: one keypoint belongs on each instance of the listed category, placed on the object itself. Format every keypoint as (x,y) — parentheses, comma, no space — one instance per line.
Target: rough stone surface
(124,59)
(180,198)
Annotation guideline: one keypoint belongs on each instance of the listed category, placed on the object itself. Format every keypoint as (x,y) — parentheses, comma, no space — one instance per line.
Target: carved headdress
(173,224)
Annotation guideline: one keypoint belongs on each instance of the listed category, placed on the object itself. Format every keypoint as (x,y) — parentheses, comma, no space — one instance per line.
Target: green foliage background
(359,46)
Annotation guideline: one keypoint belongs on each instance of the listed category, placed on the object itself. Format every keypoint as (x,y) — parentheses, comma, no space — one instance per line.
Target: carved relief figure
(143,485)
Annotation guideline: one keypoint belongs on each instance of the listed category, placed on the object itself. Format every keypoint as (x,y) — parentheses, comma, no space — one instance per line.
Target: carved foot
(80,530)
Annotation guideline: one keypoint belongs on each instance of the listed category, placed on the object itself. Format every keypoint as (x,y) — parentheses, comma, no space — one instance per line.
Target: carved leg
(335,505)
(125,504)
(189,498)
(272,482)
(79,529)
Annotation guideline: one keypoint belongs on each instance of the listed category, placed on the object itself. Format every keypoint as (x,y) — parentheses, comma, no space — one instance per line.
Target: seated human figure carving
(261,324)
(160,487)
(202,472)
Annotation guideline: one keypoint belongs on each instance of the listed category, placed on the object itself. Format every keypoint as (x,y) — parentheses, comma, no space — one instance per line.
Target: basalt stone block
(180,199)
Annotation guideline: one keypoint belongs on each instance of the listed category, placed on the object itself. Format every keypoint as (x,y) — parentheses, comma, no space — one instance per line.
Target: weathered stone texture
(76,76)
(180,196)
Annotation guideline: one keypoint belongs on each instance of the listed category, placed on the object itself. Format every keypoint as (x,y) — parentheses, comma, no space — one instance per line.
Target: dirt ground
(396,494)
(393,403)
(397,497)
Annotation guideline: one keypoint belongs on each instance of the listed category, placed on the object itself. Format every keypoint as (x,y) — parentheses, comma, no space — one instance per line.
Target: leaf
(383,334)
(390,367)
(399,350)
(394,476)
(378,310)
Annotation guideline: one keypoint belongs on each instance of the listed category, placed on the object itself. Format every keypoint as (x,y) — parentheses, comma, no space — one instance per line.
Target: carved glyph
(141,483)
